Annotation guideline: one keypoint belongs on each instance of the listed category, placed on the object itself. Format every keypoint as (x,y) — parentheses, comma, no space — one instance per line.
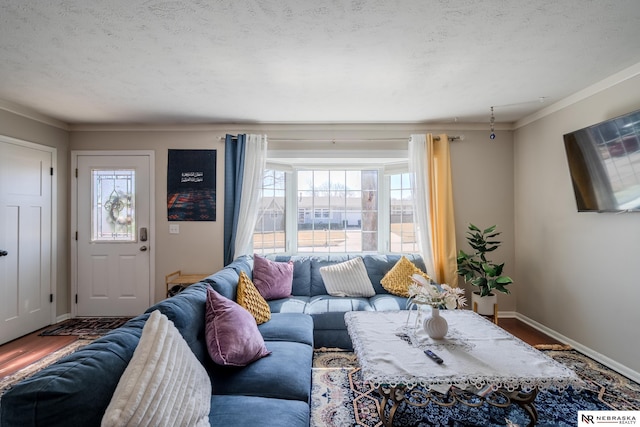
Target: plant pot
(484,305)
(435,325)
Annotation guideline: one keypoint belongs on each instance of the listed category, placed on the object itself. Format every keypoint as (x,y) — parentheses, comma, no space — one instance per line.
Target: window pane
(269,234)
(279,177)
(113,205)
(305,180)
(395,182)
(402,236)
(353,180)
(321,181)
(331,215)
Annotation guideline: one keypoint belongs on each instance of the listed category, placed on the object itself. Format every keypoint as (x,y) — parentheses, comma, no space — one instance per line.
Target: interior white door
(25,238)
(114,239)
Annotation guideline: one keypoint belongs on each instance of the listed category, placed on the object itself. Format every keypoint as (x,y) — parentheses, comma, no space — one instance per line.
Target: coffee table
(482,363)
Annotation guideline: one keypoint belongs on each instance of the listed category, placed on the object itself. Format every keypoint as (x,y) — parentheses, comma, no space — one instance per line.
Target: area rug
(341,398)
(90,327)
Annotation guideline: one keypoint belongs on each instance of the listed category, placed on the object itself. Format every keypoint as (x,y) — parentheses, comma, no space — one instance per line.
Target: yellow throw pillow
(249,298)
(398,279)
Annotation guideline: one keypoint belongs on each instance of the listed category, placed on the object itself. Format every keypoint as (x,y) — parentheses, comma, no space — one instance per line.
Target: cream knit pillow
(164,384)
(347,279)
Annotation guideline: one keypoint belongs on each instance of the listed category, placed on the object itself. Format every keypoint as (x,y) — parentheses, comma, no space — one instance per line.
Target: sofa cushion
(329,321)
(163,383)
(273,279)
(293,304)
(232,335)
(398,279)
(285,374)
(332,338)
(76,390)
(187,312)
(347,279)
(225,282)
(258,411)
(293,327)
(388,302)
(250,299)
(242,263)
(330,304)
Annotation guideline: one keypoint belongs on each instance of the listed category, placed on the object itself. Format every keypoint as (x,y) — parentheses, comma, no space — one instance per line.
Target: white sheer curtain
(255,161)
(421,216)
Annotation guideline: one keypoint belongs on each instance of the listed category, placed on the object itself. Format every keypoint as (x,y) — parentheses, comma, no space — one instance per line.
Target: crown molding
(626,74)
(32,115)
(282,128)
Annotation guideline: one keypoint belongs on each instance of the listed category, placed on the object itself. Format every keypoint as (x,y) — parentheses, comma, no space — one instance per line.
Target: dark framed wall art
(191,185)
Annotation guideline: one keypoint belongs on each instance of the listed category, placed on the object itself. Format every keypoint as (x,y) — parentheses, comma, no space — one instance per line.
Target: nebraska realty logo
(626,418)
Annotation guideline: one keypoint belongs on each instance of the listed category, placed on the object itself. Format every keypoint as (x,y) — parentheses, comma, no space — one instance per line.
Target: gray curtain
(234,148)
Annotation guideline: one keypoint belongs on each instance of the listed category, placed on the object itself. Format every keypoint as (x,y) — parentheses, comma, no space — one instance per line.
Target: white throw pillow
(164,384)
(347,279)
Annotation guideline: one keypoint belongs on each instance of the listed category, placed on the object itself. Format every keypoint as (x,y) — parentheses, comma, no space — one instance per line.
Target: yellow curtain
(442,226)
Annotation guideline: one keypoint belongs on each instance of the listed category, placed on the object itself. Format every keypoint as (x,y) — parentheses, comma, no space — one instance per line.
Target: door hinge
(76,172)
(76,236)
(50,297)
(76,298)
(51,171)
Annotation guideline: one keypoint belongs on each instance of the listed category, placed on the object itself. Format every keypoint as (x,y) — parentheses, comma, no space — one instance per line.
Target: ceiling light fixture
(492,119)
(492,122)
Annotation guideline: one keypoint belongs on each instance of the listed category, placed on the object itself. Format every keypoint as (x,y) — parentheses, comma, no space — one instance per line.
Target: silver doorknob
(4,253)
(144,248)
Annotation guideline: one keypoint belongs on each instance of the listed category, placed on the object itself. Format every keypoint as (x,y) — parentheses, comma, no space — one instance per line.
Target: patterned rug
(341,398)
(89,327)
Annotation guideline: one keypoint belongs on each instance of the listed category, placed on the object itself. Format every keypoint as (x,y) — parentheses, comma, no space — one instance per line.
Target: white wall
(198,247)
(578,273)
(482,179)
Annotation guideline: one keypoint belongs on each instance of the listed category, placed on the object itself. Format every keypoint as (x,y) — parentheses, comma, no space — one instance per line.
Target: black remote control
(433,356)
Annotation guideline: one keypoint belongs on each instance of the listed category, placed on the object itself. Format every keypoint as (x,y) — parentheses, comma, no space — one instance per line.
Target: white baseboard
(63,317)
(608,362)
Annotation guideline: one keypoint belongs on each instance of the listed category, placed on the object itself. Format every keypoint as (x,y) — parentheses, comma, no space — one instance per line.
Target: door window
(113,205)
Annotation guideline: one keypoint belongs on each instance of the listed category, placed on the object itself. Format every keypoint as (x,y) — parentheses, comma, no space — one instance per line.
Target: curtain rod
(334,140)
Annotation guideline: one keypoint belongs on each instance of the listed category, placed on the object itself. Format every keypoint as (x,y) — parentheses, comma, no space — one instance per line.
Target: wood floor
(526,333)
(24,351)
(21,352)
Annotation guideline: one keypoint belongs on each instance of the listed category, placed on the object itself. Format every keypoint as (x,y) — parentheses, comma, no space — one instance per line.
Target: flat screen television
(604,162)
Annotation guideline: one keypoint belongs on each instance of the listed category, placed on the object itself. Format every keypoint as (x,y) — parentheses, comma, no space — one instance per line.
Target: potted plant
(477,270)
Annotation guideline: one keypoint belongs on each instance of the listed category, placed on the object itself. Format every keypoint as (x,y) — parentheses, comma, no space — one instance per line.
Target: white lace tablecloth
(476,353)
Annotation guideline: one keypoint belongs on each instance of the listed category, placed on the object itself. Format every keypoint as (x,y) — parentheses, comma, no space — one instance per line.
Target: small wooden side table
(183,280)
(495,311)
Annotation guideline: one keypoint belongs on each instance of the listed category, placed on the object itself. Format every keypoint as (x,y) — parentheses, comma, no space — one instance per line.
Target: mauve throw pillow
(272,279)
(231,332)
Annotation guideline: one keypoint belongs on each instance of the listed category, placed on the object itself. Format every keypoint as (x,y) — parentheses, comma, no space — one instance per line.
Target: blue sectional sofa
(272,391)
(309,294)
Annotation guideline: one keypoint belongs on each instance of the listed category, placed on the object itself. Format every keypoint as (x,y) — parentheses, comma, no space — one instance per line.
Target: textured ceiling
(204,61)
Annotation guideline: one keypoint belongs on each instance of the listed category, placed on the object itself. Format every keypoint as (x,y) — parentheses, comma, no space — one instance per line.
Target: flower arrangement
(437,296)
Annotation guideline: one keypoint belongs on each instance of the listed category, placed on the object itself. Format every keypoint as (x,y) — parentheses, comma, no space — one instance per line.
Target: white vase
(435,325)
(484,305)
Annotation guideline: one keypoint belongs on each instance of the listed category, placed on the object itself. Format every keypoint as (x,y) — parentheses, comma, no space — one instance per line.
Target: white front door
(26,236)
(113,247)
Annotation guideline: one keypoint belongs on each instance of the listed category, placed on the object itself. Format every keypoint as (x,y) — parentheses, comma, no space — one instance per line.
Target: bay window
(335,210)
